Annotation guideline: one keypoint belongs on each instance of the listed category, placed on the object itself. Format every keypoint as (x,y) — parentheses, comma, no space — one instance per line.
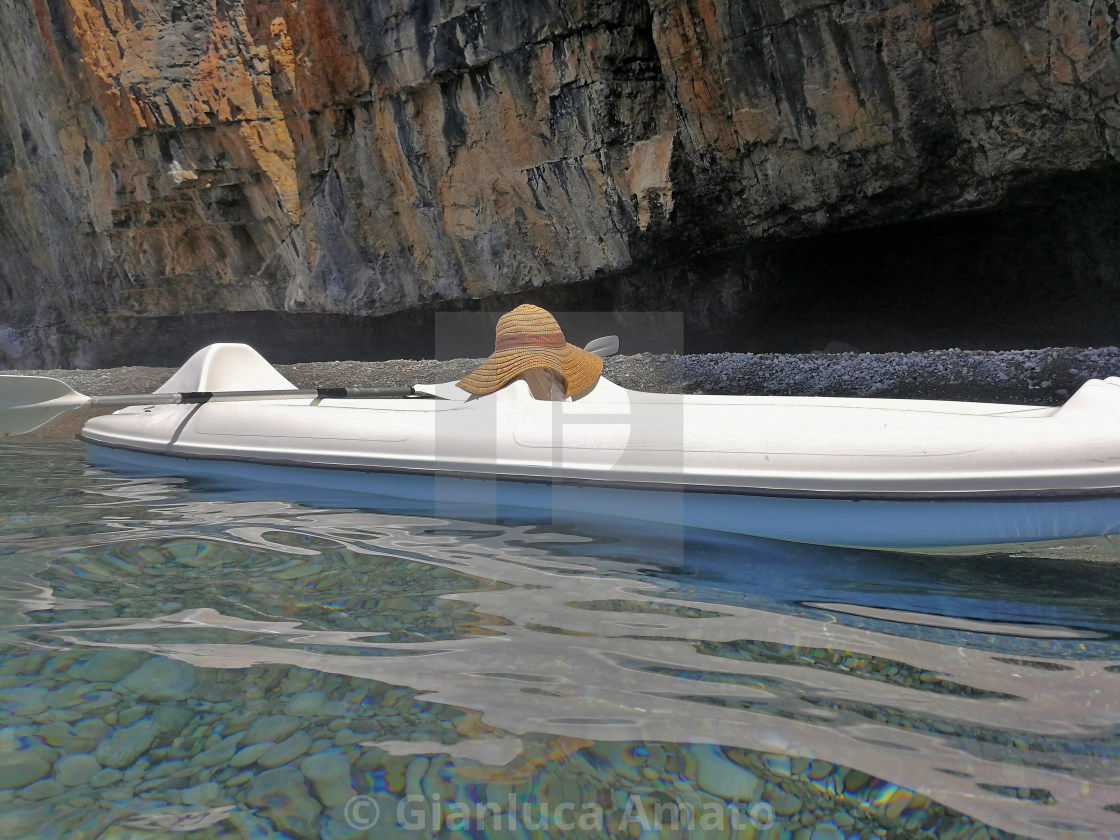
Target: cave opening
(1040,269)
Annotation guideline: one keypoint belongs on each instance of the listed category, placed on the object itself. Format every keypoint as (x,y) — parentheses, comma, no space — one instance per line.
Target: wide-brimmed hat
(527,338)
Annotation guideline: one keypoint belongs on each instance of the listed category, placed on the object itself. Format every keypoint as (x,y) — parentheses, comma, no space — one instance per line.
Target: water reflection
(851,691)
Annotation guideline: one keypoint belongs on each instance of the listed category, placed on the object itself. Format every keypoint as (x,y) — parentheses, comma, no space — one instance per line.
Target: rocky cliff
(299,165)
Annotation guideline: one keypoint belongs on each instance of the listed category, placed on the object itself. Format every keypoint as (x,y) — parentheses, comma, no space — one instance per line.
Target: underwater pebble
(347,738)
(74,770)
(116,794)
(780,764)
(855,780)
(21,768)
(785,804)
(93,701)
(56,734)
(130,715)
(43,752)
(248,755)
(329,774)
(250,825)
(220,753)
(281,794)
(827,832)
(65,715)
(168,768)
(126,745)
(106,777)
(68,695)
(435,787)
(819,769)
(271,728)
(296,572)
(172,717)
(724,778)
(204,794)
(296,680)
(305,704)
(24,701)
(897,804)
(138,768)
(30,664)
(331,764)
(287,750)
(44,789)
(335,826)
(414,775)
(162,679)
(239,722)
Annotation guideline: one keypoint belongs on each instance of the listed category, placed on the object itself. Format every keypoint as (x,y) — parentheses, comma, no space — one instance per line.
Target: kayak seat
(1095,396)
(603,391)
(545,384)
(226,367)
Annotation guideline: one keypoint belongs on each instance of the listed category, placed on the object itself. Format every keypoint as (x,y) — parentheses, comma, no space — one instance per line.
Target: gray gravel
(1028,377)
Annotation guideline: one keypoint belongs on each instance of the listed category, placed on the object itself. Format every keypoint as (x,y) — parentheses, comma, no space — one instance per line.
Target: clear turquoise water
(196,659)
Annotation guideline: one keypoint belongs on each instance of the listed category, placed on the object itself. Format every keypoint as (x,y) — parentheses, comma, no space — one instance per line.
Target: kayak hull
(870,473)
(862,523)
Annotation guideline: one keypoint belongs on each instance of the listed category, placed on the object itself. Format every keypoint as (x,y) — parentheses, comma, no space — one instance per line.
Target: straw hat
(527,338)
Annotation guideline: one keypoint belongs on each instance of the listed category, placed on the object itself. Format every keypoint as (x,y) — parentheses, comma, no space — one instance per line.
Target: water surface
(205,660)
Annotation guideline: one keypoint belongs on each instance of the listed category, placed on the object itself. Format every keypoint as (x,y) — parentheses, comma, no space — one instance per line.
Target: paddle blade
(605,346)
(28,403)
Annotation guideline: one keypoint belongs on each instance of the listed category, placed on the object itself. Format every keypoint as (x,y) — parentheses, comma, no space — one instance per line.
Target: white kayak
(872,473)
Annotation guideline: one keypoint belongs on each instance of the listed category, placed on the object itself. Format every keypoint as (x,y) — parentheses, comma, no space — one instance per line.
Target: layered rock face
(162,160)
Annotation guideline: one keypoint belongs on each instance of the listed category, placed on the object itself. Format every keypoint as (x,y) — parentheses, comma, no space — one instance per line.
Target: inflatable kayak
(871,473)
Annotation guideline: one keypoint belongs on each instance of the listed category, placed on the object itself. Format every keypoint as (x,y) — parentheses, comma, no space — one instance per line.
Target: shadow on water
(196,656)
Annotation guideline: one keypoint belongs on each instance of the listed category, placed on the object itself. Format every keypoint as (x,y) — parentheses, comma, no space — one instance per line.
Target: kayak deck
(839,471)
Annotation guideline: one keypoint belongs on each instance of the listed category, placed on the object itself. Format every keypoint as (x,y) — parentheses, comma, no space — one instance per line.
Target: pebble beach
(1025,377)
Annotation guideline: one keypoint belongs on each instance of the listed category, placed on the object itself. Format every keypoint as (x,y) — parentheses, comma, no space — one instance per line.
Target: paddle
(28,403)
(605,346)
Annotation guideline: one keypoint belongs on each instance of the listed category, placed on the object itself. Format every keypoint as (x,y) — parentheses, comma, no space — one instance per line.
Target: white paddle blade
(605,346)
(28,403)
